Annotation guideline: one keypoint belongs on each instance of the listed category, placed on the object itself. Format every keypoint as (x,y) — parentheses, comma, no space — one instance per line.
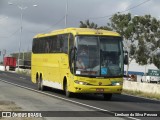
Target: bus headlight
(115,83)
(81,82)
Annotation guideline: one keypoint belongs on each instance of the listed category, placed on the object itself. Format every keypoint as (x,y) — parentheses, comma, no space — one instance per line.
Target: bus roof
(79,31)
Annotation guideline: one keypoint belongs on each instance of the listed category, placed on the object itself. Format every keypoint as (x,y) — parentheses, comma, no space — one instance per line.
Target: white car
(150,79)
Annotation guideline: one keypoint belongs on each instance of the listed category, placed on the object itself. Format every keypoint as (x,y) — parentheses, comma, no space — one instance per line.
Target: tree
(105,28)
(121,23)
(148,40)
(156,61)
(141,35)
(88,24)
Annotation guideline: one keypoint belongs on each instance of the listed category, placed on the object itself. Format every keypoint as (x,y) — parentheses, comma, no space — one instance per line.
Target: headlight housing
(81,82)
(116,83)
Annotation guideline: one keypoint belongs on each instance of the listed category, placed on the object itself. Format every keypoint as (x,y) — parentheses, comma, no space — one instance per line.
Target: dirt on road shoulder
(11,106)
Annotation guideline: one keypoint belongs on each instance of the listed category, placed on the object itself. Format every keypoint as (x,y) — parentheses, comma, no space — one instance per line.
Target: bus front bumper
(97,89)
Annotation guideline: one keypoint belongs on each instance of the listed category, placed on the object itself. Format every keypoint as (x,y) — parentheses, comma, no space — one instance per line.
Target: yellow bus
(79,60)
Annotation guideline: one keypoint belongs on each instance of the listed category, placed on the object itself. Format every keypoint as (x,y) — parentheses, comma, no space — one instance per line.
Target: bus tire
(40,84)
(107,96)
(67,93)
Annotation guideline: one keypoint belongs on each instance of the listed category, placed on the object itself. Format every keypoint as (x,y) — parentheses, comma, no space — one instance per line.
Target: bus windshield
(99,56)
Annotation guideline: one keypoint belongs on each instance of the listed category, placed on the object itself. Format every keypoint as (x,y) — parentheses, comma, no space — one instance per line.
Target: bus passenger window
(47,50)
(63,45)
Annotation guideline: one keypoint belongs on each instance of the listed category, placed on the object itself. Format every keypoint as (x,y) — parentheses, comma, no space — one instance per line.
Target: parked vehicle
(150,79)
(24,64)
(11,62)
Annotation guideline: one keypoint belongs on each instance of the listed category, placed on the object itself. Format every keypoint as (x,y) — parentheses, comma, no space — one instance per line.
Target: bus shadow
(130,98)
(76,96)
(118,98)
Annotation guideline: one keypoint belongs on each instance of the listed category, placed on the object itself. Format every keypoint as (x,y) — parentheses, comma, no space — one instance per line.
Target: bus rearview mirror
(126,58)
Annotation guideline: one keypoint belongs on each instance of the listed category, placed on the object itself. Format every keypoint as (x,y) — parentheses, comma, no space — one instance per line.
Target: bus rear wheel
(107,96)
(40,84)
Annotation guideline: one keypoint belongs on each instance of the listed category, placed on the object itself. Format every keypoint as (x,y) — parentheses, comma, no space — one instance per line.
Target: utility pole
(4,53)
(66,13)
(0,55)
(22,8)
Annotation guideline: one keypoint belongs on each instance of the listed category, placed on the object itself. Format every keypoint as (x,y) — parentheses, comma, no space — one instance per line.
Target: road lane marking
(22,78)
(72,101)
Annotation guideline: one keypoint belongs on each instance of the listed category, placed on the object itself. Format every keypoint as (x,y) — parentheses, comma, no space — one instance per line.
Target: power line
(54,24)
(10,34)
(35,32)
(120,11)
(135,6)
(42,31)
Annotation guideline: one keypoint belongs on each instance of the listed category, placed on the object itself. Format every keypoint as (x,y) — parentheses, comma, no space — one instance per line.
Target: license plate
(100,90)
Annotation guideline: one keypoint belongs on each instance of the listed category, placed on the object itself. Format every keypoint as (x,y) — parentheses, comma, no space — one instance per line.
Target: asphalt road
(121,103)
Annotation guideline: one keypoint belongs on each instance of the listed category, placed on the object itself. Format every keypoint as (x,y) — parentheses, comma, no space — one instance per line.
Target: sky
(41,16)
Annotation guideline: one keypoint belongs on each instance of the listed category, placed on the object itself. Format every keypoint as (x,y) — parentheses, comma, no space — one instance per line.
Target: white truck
(153,76)
(150,79)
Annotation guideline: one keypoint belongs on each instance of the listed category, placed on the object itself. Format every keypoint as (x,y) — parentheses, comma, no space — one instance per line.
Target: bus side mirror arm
(126,57)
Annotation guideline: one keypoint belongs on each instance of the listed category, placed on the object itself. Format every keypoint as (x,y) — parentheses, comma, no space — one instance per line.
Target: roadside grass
(142,94)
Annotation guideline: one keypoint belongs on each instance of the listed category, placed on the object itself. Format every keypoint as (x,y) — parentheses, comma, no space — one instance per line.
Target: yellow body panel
(54,68)
(79,31)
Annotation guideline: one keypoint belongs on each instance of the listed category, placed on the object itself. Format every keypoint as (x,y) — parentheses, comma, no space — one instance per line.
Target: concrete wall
(1,68)
(143,87)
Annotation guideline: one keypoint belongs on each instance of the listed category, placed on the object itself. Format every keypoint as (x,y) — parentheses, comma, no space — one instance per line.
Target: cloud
(10,36)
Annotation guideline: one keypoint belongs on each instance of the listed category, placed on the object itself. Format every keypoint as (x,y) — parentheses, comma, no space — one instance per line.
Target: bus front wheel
(107,96)
(68,94)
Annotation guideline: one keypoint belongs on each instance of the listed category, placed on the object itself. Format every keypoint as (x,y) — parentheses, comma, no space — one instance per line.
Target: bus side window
(41,45)
(47,50)
(35,45)
(58,42)
(53,44)
(63,43)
